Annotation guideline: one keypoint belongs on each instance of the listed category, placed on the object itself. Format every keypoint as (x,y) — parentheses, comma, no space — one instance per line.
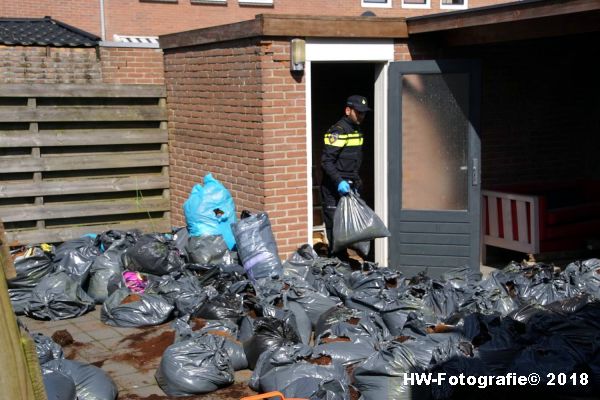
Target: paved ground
(129,355)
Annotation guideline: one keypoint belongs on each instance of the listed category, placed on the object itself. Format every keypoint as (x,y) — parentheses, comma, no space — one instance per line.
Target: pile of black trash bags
(318,328)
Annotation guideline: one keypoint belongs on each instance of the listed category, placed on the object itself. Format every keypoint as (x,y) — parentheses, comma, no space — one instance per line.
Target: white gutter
(102,21)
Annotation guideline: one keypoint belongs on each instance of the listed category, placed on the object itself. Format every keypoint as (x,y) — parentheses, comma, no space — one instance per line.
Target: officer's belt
(343,140)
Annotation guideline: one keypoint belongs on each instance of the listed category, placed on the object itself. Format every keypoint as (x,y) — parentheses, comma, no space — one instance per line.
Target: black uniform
(341,160)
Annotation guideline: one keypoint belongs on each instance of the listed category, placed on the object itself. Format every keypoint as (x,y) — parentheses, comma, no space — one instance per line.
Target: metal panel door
(434,165)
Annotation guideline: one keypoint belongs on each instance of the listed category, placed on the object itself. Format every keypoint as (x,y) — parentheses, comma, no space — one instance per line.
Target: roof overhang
(265,25)
(528,19)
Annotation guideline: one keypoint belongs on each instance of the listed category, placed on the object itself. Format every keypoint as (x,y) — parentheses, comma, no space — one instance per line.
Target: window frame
(265,3)
(217,2)
(463,6)
(367,4)
(426,5)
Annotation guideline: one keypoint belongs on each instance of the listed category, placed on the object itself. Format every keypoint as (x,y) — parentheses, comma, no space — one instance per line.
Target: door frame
(380,52)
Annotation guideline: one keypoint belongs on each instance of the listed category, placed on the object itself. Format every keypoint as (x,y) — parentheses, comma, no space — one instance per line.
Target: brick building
(237,110)
(106,18)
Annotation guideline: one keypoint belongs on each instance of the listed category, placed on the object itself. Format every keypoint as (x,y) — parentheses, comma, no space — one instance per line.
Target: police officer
(341,160)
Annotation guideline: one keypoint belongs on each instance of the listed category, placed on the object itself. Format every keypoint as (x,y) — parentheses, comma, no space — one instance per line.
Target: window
(208,1)
(453,4)
(376,3)
(416,4)
(256,2)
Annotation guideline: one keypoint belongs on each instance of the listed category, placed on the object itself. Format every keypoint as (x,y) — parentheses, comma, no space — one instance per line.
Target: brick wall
(132,65)
(135,17)
(236,112)
(48,65)
(32,64)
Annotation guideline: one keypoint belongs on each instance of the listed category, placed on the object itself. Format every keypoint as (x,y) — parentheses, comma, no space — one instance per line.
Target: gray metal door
(434,165)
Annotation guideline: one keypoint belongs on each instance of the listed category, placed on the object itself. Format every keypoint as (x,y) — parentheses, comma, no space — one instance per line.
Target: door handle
(475,172)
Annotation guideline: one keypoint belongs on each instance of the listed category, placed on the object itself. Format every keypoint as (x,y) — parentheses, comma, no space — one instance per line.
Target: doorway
(331,84)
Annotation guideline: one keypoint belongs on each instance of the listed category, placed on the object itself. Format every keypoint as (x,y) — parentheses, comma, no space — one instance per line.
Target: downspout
(102,21)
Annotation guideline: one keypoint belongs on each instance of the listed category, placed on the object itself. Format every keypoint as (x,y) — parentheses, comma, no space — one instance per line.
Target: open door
(434,165)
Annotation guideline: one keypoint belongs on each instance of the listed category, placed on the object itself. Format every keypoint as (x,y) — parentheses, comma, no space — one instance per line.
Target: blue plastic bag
(210,210)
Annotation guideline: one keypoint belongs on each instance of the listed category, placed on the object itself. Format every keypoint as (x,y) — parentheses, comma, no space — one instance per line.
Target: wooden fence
(77,159)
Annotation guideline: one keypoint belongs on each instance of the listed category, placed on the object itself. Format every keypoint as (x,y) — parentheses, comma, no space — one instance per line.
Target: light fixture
(297,54)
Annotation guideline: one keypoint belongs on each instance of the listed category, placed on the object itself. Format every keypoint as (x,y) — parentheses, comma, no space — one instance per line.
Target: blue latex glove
(344,187)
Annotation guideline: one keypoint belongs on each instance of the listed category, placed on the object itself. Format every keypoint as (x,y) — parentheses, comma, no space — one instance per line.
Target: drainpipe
(102,21)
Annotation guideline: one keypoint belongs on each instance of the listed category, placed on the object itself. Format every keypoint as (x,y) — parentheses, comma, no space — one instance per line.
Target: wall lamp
(297,54)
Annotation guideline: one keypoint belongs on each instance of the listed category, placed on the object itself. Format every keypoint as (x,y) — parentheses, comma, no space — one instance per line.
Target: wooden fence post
(15,381)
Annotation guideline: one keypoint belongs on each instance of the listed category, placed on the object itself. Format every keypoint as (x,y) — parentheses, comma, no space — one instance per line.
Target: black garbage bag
(381,375)
(342,351)
(383,278)
(196,365)
(551,356)
(20,299)
(106,239)
(31,267)
(207,250)
(286,354)
(313,302)
(91,382)
(224,328)
(256,247)
(221,306)
(454,367)
(153,254)
(128,309)
(46,348)
(183,291)
(358,326)
(292,370)
(106,266)
(462,278)
(75,257)
(181,236)
(59,386)
(269,332)
(355,222)
(300,262)
(58,296)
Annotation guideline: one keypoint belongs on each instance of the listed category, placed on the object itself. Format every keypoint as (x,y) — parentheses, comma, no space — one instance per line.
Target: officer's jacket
(342,153)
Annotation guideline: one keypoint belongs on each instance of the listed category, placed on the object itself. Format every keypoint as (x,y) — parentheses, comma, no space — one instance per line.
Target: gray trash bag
(127,309)
(184,292)
(367,328)
(354,221)
(31,267)
(223,328)
(104,267)
(153,254)
(197,365)
(344,352)
(75,257)
(269,333)
(91,382)
(381,375)
(58,296)
(180,240)
(313,302)
(299,264)
(58,386)
(20,299)
(307,381)
(285,354)
(256,247)
(207,250)
(46,348)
